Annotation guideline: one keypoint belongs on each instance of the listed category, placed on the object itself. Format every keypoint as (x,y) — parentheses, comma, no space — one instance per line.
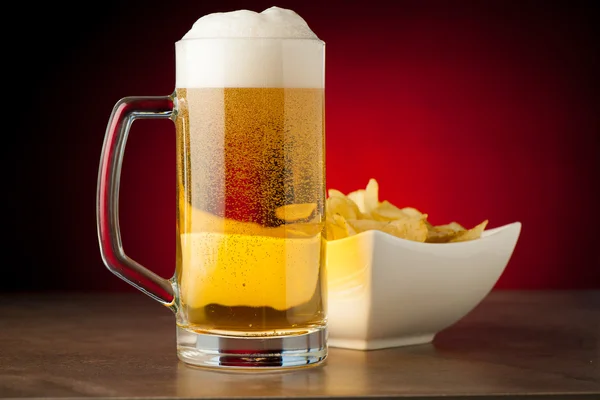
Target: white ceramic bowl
(388,292)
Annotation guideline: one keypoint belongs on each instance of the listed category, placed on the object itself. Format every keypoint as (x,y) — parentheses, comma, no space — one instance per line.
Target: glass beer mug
(249,282)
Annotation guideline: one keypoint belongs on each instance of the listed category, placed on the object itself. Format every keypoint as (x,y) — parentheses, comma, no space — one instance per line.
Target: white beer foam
(274,48)
(273,22)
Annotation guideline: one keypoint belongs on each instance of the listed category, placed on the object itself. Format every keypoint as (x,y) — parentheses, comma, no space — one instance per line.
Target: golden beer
(250,218)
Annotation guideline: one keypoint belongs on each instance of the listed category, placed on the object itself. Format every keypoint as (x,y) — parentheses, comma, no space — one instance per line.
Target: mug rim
(258,38)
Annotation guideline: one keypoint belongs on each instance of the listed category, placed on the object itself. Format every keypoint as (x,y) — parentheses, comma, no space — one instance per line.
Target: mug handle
(126,111)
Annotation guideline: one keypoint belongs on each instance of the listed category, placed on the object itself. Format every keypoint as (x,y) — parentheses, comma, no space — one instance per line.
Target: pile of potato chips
(361,211)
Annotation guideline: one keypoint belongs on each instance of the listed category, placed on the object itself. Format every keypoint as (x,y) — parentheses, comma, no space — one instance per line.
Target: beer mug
(249,282)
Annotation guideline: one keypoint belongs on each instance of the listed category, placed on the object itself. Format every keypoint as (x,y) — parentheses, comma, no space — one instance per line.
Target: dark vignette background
(465,109)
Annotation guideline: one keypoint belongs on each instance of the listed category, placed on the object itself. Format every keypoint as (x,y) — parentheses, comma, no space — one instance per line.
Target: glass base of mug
(273,352)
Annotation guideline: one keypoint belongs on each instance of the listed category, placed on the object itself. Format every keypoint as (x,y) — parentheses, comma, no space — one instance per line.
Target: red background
(468,110)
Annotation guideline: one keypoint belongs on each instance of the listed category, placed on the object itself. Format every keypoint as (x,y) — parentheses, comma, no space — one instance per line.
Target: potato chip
(295,212)
(338,228)
(407,228)
(443,233)
(471,234)
(386,211)
(358,197)
(363,225)
(454,226)
(334,192)
(413,212)
(343,206)
(361,211)
(371,196)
